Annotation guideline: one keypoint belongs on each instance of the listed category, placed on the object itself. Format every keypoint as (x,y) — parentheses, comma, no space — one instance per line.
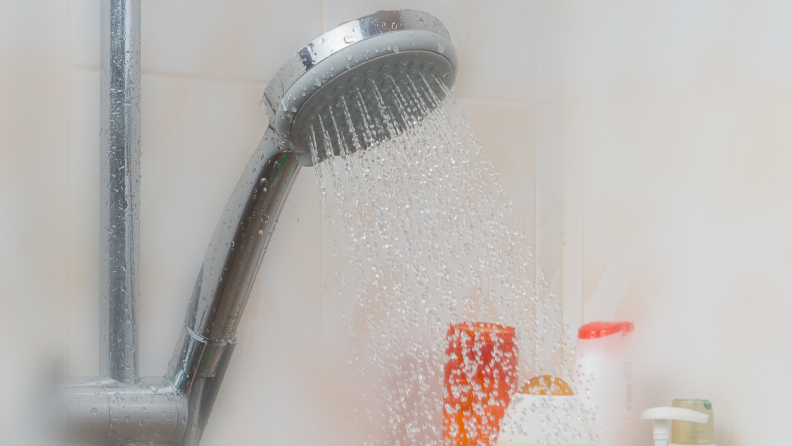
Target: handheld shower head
(349,78)
(361,83)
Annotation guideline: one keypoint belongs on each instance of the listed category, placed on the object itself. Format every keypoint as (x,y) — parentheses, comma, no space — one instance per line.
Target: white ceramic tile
(34,206)
(549,177)
(685,234)
(84,255)
(34,195)
(498,52)
(598,49)
(34,32)
(768,42)
(553,128)
(685,179)
(508,133)
(243,39)
(34,211)
(529,161)
(84,39)
(240,40)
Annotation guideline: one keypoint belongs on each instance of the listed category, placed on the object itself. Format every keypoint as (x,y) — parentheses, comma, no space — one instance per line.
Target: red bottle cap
(594,330)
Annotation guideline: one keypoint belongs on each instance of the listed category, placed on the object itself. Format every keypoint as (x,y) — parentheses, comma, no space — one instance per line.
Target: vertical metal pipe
(120,186)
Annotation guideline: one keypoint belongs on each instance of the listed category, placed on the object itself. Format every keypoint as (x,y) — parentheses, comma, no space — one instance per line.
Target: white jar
(603,378)
(551,420)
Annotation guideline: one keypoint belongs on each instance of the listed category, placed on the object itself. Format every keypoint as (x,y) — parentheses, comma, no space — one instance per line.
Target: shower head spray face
(361,83)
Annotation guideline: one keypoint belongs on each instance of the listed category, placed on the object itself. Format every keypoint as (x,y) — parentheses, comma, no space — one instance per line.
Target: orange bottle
(480,378)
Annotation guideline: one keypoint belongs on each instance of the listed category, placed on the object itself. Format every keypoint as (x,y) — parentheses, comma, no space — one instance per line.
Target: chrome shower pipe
(120,187)
(119,406)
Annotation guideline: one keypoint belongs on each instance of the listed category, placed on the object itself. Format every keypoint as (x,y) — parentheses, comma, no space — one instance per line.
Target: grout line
(537,268)
(583,259)
(322,235)
(538,121)
(66,363)
(90,69)
(85,69)
(202,78)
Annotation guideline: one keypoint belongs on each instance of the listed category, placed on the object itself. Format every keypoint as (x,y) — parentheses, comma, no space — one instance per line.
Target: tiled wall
(678,115)
(646,147)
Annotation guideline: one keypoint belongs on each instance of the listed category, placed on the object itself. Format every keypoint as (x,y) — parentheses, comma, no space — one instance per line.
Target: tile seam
(190,77)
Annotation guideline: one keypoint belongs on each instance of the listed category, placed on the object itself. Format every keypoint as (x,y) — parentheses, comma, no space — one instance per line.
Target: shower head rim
(327,50)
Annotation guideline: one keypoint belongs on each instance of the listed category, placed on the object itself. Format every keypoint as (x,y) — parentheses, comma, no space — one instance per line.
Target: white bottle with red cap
(603,380)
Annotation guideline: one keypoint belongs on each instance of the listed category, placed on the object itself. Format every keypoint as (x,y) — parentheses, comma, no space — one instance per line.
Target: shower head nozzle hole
(345,113)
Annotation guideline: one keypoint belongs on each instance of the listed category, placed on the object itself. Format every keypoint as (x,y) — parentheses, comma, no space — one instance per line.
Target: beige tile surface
(239,40)
(84,39)
(680,129)
(550,220)
(84,252)
(34,32)
(243,40)
(685,235)
(509,135)
(498,51)
(34,205)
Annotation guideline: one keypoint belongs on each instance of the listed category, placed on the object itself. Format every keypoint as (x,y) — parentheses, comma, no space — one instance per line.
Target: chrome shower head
(358,77)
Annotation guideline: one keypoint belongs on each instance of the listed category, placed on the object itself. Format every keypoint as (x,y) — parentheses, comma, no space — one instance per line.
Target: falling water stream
(424,235)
